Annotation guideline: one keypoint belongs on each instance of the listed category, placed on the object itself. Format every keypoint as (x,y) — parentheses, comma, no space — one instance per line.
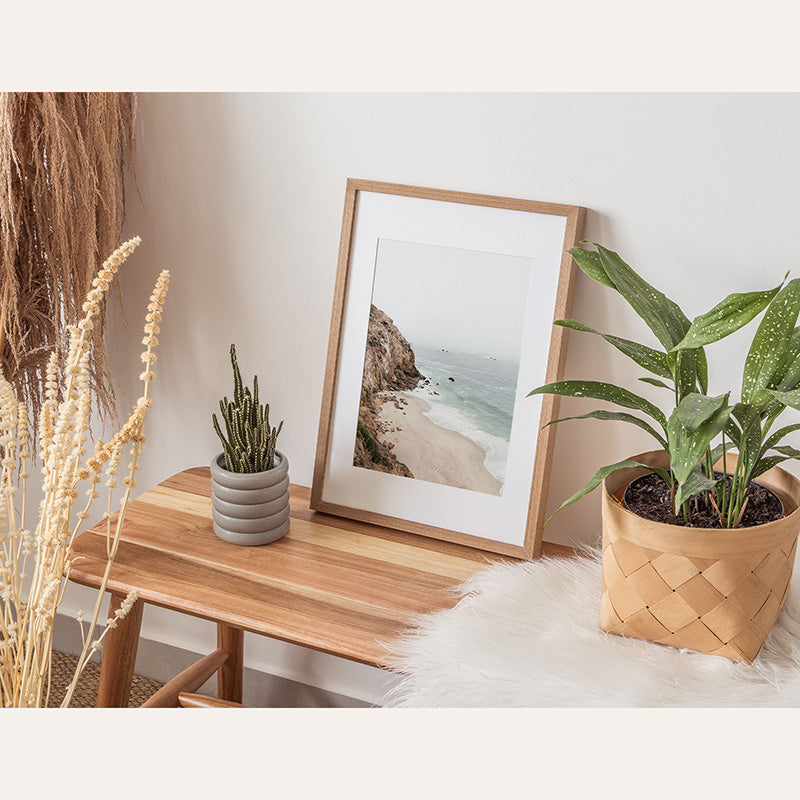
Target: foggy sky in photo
(461,300)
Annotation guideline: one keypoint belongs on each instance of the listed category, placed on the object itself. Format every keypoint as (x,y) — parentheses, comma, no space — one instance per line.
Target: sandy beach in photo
(431,452)
(438,392)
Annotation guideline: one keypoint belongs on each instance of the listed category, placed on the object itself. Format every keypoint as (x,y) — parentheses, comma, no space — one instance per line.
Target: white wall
(242,200)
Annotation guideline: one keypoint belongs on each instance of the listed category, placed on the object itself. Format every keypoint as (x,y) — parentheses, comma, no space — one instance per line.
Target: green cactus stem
(248,441)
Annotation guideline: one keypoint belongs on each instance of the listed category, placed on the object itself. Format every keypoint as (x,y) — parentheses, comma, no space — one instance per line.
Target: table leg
(119,655)
(230,676)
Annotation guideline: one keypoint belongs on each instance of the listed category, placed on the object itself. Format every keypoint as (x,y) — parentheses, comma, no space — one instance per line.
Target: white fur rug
(528,635)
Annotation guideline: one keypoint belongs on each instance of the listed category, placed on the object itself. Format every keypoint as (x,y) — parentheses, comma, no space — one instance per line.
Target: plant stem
(724,500)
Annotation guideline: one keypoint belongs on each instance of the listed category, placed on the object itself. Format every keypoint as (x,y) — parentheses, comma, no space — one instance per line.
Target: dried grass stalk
(62,199)
(43,554)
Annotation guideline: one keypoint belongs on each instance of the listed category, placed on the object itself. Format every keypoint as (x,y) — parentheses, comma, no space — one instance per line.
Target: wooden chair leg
(190,680)
(191,700)
(119,656)
(230,677)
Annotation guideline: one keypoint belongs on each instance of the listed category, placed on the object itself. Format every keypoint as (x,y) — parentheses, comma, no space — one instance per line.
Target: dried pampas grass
(62,161)
(35,559)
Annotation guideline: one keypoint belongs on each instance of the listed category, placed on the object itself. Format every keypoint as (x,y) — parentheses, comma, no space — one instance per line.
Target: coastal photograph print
(442,323)
(441,364)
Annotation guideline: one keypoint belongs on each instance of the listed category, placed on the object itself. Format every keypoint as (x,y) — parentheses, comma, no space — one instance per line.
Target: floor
(86,692)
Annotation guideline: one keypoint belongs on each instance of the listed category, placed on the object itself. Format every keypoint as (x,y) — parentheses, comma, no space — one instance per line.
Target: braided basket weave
(713,591)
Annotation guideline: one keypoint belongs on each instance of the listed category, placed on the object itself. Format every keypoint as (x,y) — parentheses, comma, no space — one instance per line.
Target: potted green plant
(696,553)
(250,477)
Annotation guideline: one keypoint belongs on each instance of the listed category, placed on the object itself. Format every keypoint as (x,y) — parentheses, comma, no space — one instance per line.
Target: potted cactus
(250,477)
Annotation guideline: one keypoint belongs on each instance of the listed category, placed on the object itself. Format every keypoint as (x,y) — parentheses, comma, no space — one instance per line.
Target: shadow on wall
(187,219)
(583,446)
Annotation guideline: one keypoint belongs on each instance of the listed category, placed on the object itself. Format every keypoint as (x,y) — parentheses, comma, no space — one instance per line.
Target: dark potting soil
(648,497)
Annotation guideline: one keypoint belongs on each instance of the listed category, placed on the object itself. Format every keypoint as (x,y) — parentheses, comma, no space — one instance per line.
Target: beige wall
(241,198)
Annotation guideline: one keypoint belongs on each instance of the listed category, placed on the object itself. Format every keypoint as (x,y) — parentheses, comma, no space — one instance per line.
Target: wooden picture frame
(482,274)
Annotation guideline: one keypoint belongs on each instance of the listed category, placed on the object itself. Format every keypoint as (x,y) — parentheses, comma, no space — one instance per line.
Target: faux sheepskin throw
(528,635)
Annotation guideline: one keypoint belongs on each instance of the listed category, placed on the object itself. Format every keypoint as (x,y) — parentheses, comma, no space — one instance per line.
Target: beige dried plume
(36,556)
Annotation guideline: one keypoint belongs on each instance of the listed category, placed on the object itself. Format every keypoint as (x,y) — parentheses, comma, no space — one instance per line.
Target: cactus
(250,442)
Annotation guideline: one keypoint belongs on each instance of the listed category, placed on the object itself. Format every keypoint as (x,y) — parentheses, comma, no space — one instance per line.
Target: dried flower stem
(26,621)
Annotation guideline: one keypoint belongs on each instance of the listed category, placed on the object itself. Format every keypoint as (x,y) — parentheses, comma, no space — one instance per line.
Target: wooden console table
(331,584)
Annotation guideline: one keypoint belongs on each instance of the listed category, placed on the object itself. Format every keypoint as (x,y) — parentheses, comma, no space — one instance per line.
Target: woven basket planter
(713,591)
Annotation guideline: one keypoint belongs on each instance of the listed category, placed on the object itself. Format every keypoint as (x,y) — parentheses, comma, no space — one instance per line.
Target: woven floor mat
(85,695)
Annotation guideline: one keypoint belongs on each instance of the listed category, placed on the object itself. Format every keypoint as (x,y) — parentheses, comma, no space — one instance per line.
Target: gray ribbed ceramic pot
(250,508)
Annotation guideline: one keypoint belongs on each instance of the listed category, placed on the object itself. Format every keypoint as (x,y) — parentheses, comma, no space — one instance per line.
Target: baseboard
(159,661)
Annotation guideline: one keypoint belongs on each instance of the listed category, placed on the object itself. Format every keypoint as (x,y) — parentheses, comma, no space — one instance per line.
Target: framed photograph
(442,324)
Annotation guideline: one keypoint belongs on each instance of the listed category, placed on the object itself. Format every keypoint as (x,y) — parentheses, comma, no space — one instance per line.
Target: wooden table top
(331,584)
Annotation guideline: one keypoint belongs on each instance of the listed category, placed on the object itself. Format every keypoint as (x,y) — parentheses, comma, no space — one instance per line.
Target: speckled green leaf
(646,357)
(749,418)
(589,263)
(618,416)
(766,463)
(733,432)
(787,374)
(601,475)
(695,409)
(656,382)
(701,368)
(664,318)
(763,400)
(791,399)
(775,410)
(687,449)
(603,391)
(771,340)
(788,451)
(734,312)
(718,450)
(697,482)
(690,369)
(775,437)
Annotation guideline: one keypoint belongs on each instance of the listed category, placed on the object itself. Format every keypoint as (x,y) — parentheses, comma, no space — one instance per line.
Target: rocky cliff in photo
(388,366)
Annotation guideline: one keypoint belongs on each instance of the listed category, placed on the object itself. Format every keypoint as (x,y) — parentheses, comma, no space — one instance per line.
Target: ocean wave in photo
(473,395)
